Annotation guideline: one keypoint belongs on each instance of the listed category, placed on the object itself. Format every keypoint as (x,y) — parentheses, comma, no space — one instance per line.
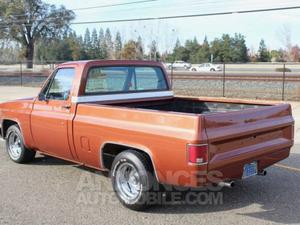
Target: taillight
(198,154)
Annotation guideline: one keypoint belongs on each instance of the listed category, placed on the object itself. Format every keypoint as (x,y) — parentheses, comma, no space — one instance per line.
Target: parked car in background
(180,65)
(206,67)
(167,65)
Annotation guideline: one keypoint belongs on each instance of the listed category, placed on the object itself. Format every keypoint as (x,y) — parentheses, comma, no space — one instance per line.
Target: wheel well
(6,124)
(110,151)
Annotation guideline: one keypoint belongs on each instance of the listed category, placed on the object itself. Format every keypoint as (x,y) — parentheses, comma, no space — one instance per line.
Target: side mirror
(42,97)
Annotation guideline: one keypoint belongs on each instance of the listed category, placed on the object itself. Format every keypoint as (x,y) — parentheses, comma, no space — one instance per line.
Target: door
(52,113)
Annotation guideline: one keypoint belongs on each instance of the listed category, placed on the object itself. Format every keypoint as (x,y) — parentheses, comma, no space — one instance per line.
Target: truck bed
(195,106)
(246,133)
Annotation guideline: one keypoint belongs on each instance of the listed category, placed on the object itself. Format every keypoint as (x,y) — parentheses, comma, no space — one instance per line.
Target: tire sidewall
(10,130)
(145,179)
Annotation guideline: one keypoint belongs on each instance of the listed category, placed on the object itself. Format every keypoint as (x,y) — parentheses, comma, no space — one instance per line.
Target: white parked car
(180,65)
(206,67)
(168,65)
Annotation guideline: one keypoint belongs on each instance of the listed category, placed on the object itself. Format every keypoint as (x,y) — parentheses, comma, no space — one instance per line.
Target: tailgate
(240,137)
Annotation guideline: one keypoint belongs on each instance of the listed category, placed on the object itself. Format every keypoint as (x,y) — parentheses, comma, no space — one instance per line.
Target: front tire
(133,180)
(15,146)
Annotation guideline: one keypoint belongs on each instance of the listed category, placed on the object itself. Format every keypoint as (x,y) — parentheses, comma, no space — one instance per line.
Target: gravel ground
(52,191)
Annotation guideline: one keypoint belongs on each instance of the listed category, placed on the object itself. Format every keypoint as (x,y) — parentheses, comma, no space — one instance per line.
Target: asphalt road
(52,191)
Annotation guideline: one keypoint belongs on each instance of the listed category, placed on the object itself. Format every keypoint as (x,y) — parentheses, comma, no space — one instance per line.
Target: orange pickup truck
(122,117)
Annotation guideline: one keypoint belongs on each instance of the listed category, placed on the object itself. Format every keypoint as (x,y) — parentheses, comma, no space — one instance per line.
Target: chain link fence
(17,73)
(276,81)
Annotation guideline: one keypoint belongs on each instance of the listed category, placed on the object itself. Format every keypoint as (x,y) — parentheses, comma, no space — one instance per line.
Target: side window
(61,84)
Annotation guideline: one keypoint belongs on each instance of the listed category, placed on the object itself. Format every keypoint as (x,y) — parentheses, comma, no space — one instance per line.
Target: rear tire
(15,146)
(133,180)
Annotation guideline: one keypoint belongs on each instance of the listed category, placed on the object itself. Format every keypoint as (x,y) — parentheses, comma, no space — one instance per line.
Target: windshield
(124,79)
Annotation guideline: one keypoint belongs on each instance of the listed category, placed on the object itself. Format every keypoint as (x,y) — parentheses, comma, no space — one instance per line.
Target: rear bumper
(234,171)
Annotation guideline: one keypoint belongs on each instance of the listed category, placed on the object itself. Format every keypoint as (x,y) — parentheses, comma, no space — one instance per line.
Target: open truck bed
(191,105)
(238,133)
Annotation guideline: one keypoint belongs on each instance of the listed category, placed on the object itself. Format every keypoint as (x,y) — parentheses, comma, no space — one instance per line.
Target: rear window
(101,80)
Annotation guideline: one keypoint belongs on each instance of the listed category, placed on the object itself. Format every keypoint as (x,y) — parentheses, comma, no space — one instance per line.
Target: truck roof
(113,63)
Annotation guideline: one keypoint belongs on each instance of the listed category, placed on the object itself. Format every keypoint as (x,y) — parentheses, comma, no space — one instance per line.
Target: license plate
(250,170)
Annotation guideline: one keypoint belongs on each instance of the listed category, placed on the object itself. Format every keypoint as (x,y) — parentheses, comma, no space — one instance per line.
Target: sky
(270,26)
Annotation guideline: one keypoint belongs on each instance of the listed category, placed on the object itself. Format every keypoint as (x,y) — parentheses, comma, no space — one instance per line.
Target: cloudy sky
(270,26)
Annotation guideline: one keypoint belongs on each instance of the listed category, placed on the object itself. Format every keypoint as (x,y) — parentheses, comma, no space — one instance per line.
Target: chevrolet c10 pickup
(123,118)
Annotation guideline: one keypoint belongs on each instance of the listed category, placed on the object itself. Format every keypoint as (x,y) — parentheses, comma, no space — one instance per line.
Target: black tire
(212,70)
(194,70)
(25,155)
(148,183)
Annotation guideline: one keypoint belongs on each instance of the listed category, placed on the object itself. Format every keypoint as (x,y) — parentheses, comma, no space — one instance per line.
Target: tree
(118,46)
(263,53)
(277,55)
(129,50)
(76,44)
(87,42)
(222,49)
(181,53)
(176,52)
(205,51)
(28,21)
(140,49)
(295,54)
(239,49)
(109,44)
(226,48)
(9,52)
(153,51)
(3,29)
(102,45)
(177,44)
(192,46)
(285,36)
(94,45)
(252,56)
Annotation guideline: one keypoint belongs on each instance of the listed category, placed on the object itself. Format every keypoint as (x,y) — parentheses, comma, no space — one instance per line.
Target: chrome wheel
(14,145)
(128,183)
